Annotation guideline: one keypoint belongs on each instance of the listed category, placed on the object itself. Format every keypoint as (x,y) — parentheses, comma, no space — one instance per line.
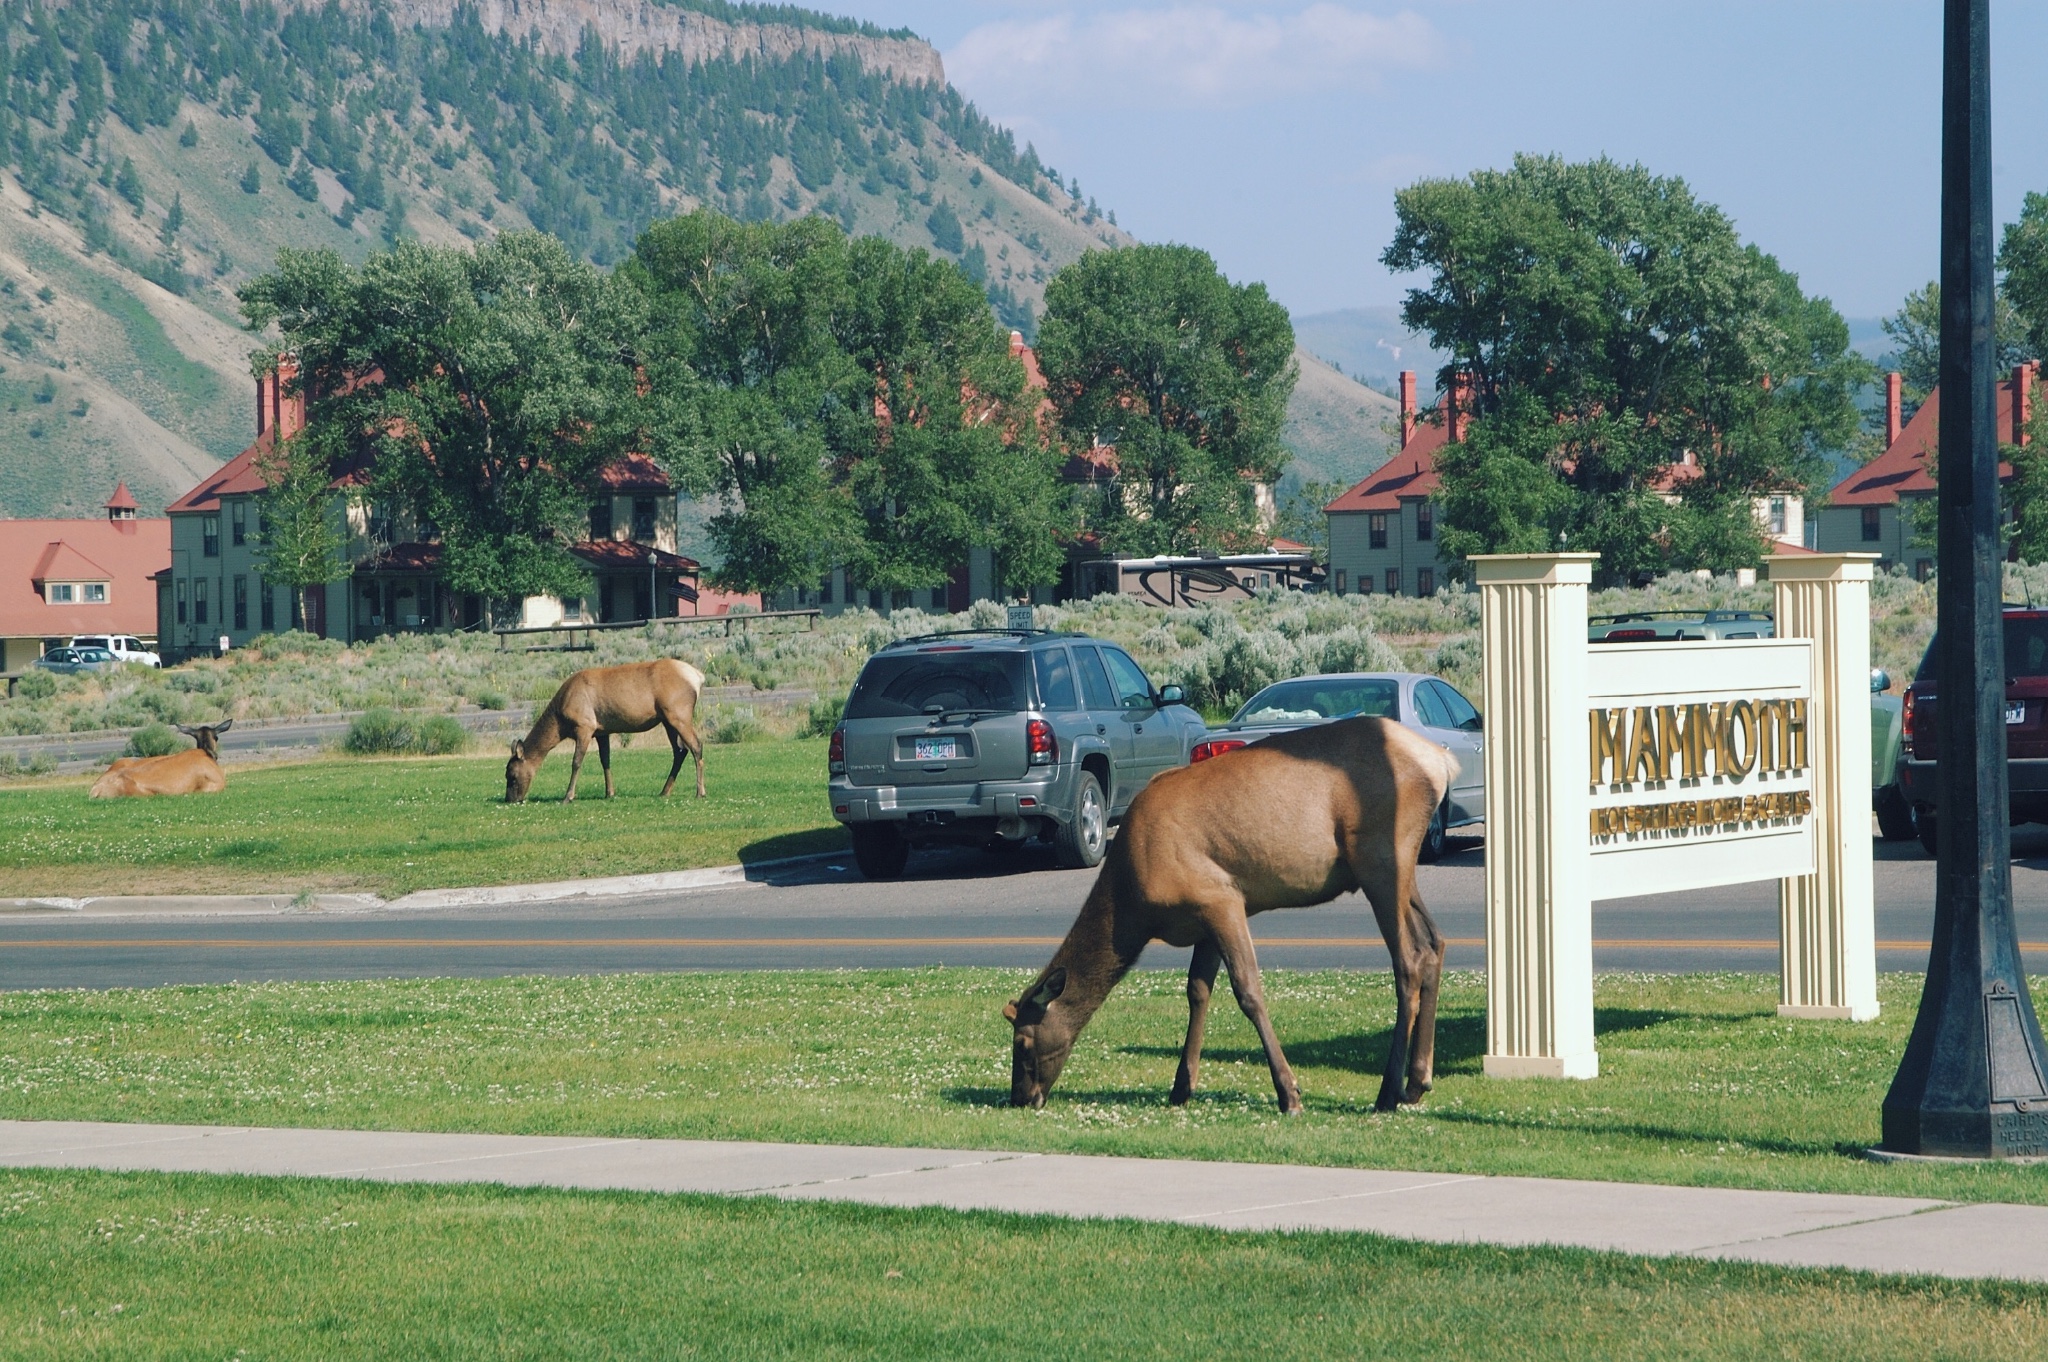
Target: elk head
(208,736)
(1038,1049)
(518,775)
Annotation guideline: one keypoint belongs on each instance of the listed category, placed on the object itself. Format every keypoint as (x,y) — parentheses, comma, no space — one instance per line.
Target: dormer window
(601,519)
(60,593)
(74,593)
(643,520)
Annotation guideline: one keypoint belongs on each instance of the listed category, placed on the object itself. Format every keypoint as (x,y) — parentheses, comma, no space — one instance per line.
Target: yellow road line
(814,942)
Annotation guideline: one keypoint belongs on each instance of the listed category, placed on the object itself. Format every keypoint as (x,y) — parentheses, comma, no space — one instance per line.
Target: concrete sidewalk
(1800,1229)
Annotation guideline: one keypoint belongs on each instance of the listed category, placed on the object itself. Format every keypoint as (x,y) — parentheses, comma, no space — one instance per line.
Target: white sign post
(1642,768)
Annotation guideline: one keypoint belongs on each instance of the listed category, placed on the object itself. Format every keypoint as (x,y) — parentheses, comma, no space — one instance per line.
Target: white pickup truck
(126,647)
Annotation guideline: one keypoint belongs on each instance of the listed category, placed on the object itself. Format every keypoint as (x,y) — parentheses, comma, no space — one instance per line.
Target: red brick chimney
(1892,422)
(1407,405)
(2022,401)
(1460,405)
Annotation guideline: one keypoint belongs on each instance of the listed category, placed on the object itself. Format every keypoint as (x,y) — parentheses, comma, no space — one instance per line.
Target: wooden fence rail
(591,630)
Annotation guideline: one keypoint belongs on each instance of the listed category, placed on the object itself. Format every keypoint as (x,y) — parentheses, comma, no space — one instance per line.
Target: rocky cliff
(640,25)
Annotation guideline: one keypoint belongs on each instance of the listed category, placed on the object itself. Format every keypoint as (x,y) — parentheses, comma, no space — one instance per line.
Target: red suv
(2026,725)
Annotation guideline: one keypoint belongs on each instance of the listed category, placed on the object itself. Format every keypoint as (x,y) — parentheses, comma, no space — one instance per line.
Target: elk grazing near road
(193,771)
(1291,821)
(600,701)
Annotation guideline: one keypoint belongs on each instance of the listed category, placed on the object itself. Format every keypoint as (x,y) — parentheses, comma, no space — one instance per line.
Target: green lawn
(1701,1082)
(126,1266)
(392,826)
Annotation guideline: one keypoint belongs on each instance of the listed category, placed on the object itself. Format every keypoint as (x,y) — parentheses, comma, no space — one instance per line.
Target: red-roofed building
(65,577)
(1383,531)
(388,577)
(1876,508)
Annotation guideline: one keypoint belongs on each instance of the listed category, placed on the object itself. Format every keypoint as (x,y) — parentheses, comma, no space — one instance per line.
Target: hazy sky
(1275,134)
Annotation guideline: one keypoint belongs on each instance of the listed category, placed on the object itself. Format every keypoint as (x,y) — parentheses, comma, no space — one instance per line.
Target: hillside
(154,155)
(1371,345)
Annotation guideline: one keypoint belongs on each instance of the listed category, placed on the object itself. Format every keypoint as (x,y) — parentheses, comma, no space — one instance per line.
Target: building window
(1425,521)
(181,600)
(238,523)
(209,535)
(1339,581)
(1425,581)
(267,609)
(1365,584)
(601,519)
(59,593)
(643,520)
(1777,516)
(1376,531)
(1871,525)
(95,593)
(241,603)
(1923,568)
(199,600)
(1393,581)
(825,589)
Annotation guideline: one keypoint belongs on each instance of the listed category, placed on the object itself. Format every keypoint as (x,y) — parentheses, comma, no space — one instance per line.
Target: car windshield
(904,685)
(2026,649)
(1314,698)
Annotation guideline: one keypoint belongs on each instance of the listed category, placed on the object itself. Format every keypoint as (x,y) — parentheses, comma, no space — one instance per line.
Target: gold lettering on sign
(1686,815)
(1690,742)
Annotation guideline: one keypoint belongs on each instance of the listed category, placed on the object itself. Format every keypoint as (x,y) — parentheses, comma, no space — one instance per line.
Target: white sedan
(125,647)
(1427,704)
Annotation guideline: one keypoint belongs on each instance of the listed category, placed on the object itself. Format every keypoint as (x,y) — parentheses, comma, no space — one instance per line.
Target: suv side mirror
(1880,680)
(1172,695)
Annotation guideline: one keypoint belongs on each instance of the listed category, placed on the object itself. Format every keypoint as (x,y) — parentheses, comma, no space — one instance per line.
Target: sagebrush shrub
(154,740)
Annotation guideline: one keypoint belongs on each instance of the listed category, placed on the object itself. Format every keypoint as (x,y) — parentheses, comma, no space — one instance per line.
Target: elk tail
(1448,762)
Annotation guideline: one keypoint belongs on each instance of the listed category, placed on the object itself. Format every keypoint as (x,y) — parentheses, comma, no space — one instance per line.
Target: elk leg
(575,766)
(604,759)
(1394,899)
(687,732)
(1235,944)
(1422,1050)
(1201,982)
(676,749)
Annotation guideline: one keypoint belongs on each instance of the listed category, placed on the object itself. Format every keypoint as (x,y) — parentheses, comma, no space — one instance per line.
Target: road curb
(482,896)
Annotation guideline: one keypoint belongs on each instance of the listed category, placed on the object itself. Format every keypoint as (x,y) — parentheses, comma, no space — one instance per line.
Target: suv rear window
(905,685)
(2026,649)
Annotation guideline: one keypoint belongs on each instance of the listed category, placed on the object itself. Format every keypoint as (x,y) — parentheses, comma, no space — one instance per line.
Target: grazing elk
(193,771)
(1288,822)
(600,701)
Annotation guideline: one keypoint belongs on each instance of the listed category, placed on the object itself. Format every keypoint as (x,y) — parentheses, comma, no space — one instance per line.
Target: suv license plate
(2015,711)
(937,749)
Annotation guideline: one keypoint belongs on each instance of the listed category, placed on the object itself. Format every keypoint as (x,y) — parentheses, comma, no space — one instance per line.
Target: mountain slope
(157,153)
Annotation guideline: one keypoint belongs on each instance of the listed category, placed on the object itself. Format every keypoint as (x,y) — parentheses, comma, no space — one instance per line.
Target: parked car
(996,737)
(1887,750)
(2026,726)
(1661,626)
(66,661)
(1428,704)
(126,647)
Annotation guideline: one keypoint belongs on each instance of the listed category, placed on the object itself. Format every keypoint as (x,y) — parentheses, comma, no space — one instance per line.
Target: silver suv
(995,737)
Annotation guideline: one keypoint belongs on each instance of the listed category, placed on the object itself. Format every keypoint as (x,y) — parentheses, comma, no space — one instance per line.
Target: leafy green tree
(2023,260)
(843,403)
(1152,350)
(485,389)
(1607,326)
(1303,520)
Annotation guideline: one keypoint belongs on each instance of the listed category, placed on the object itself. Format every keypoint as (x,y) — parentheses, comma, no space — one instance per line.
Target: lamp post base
(2003,1131)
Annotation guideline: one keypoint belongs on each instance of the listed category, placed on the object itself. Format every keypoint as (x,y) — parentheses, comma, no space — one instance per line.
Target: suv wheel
(1079,842)
(1894,815)
(1433,839)
(879,850)
(1924,824)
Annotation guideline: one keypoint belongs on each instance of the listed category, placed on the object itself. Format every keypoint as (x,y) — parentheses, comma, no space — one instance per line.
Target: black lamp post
(653,605)
(1974,1082)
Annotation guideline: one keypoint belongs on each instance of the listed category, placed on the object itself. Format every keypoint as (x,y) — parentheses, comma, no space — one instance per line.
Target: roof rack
(978,633)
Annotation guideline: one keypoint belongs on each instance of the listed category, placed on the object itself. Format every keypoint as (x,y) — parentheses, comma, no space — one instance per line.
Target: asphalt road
(953,908)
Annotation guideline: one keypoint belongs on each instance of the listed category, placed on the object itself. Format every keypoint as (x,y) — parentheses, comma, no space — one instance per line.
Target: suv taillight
(835,755)
(1906,720)
(1205,750)
(1040,741)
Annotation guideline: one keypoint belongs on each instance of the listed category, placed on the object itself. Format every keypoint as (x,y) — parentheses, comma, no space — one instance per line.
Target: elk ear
(1054,985)
(516,753)
(223,726)
(188,732)
(1009,1012)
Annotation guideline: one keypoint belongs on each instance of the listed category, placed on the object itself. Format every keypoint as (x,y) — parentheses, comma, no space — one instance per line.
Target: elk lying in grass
(600,701)
(193,771)
(1288,822)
